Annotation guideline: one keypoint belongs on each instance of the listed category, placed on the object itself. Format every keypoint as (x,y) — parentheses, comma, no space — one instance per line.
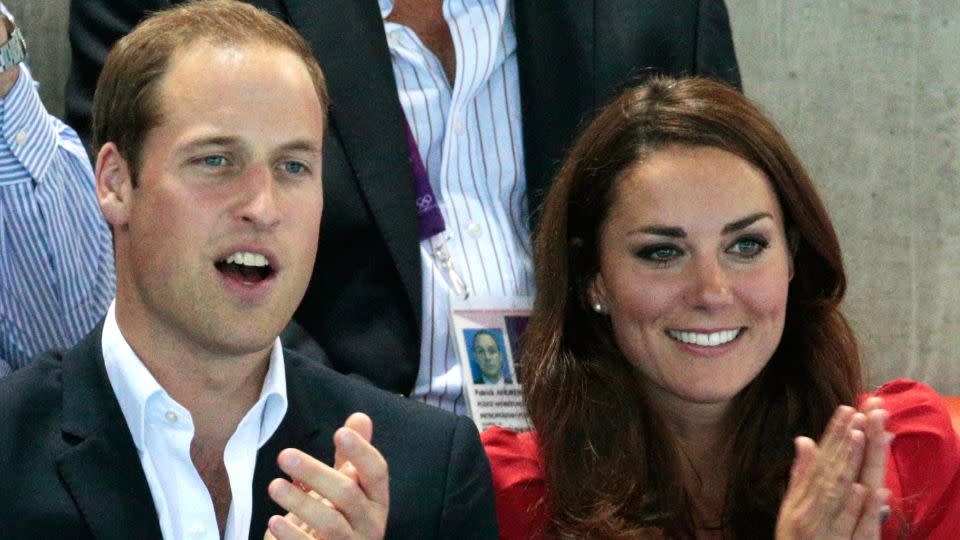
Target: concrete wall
(44,26)
(868,91)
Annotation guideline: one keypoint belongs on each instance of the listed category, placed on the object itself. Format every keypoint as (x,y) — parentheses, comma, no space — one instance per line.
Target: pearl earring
(598,307)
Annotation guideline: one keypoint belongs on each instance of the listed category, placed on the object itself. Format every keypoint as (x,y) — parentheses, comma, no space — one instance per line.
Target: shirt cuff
(27,128)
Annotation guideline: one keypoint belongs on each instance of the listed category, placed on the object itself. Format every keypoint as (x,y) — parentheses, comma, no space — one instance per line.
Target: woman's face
(694,271)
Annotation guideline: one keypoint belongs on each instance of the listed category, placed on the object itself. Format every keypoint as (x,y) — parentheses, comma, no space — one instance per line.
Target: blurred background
(868,93)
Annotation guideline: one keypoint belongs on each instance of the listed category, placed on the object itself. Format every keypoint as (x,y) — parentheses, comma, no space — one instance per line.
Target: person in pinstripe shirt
(56,257)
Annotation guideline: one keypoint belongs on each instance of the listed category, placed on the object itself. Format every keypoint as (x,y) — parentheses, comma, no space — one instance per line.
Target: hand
(347,501)
(836,487)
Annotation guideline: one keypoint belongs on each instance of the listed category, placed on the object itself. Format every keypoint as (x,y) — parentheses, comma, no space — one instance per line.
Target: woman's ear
(114,185)
(597,295)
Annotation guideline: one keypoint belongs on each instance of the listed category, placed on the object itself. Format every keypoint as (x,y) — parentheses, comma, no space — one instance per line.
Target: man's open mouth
(246,267)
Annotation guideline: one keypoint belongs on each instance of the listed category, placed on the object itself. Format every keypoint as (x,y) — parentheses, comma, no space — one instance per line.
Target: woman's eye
(748,247)
(659,253)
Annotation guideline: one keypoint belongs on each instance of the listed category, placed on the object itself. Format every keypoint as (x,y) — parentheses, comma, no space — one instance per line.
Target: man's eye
(294,167)
(659,253)
(748,247)
(214,161)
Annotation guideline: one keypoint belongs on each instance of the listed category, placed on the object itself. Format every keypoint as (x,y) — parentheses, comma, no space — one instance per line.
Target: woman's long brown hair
(612,467)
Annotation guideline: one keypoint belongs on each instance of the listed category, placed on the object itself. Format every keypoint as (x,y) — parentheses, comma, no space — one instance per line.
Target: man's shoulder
(31,404)
(33,384)
(355,394)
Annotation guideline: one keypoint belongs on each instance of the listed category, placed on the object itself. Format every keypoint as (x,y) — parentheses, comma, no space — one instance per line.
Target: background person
(488,358)
(686,348)
(181,415)
(493,92)
(56,257)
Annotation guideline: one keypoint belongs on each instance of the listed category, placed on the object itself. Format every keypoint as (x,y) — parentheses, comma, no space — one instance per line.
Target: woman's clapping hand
(836,488)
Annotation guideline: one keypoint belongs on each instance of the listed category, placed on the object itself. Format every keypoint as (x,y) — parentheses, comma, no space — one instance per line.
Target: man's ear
(114,185)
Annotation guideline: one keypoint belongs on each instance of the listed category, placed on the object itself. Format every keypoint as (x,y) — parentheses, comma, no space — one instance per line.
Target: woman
(686,349)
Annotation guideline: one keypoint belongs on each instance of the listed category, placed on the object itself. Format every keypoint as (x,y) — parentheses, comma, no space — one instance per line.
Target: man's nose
(258,196)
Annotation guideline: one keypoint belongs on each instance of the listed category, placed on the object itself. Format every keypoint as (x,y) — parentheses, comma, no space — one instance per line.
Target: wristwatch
(15,49)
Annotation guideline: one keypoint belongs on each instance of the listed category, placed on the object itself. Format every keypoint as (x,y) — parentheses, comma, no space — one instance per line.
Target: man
(489,359)
(493,92)
(181,416)
(56,259)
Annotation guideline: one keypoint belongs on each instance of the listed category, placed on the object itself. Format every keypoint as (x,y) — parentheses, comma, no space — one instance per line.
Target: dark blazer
(364,301)
(69,467)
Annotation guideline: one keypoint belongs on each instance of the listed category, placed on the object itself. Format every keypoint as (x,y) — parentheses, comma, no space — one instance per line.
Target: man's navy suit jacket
(69,467)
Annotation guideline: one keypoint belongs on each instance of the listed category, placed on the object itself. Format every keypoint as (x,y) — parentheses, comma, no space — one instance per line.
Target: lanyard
(430,220)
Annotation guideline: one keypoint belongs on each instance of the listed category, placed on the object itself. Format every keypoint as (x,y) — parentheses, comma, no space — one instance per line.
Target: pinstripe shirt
(470,141)
(56,256)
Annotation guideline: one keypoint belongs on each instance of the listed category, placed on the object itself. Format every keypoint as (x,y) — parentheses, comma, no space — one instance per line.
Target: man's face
(216,244)
(487,353)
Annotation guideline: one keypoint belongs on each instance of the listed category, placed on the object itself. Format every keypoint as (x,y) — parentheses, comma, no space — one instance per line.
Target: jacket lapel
(348,40)
(555,56)
(314,412)
(101,469)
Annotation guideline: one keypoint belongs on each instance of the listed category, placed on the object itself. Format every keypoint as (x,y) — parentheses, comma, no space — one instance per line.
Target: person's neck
(492,380)
(425,18)
(704,436)
(216,388)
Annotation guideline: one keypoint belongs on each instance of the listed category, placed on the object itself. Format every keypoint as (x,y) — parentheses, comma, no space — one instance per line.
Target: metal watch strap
(14,50)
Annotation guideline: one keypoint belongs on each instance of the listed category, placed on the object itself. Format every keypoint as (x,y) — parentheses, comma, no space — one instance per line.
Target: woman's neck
(703,434)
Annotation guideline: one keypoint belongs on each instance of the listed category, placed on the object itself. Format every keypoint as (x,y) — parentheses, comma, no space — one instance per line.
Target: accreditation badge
(488,333)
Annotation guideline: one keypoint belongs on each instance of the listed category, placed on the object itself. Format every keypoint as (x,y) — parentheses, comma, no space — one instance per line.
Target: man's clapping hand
(347,501)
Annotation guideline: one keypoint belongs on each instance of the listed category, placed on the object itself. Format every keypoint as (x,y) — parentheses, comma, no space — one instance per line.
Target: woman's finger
(845,522)
(870,522)
(874,468)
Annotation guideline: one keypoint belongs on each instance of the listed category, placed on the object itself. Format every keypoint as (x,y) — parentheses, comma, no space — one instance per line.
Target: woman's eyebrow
(678,232)
(660,230)
(741,224)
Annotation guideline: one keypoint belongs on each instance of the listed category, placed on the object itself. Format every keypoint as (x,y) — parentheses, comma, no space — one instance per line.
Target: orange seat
(953,406)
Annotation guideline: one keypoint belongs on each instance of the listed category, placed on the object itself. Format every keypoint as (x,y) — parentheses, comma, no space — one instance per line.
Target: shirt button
(170,416)
(21,138)
(473,229)
(458,127)
(196,529)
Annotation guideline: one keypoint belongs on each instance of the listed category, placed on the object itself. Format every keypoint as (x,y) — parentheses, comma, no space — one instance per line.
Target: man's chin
(245,340)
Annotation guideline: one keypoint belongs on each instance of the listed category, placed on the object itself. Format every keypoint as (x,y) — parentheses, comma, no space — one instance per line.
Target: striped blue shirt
(56,254)
(470,140)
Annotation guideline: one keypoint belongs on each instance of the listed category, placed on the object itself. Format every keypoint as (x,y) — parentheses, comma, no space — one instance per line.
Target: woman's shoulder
(923,468)
(915,407)
(920,422)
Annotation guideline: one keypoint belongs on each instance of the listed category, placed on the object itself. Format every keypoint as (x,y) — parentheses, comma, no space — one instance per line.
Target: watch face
(14,50)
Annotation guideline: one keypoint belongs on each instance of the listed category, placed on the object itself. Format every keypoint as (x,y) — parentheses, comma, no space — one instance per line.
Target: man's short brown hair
(127,105)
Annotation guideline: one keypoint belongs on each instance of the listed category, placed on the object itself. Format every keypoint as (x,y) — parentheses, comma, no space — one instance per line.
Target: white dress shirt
(163,429)
(470,141)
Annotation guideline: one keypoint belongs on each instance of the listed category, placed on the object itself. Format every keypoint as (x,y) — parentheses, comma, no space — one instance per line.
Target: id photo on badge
(490,361)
